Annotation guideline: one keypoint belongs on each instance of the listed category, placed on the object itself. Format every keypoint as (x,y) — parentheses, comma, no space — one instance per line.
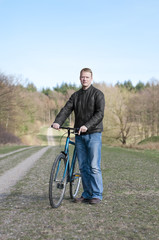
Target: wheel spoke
(57,184)
(75,180)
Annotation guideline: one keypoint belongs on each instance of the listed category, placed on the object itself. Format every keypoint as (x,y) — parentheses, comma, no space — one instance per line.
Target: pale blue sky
(49,41)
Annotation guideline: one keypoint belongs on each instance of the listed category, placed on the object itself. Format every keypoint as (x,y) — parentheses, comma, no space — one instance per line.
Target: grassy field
(129,210)
(10,148)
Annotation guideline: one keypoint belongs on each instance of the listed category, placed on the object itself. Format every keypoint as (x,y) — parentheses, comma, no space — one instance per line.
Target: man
(88,105)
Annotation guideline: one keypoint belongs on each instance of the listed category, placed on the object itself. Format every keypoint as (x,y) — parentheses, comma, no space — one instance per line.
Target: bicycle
(63,171)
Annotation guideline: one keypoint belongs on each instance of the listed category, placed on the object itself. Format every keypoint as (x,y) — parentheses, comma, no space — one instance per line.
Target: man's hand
(56,126)
(82,129)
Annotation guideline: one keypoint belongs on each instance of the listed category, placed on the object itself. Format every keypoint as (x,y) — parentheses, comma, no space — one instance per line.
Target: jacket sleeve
(65,112)
(98,111)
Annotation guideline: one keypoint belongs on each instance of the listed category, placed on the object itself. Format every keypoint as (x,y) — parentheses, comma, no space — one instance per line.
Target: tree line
(131,112)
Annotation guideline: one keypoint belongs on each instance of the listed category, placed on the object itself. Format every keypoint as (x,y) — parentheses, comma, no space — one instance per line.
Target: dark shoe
(81,200)
(94,201)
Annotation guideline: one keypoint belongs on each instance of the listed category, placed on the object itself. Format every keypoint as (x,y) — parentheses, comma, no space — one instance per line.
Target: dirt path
(50,137)
(129,209)
(18,150)
(10,177)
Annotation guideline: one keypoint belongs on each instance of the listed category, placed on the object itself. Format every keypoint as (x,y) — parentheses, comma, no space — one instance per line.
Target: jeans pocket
(95,137)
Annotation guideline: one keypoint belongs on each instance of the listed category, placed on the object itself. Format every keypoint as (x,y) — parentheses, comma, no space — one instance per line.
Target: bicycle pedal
(60,185)
(77,174)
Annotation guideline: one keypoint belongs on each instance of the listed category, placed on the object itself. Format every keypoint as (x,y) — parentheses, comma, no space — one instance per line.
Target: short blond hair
(86,70)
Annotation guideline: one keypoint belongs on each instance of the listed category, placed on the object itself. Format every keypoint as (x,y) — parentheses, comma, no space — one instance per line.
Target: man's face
(86,79)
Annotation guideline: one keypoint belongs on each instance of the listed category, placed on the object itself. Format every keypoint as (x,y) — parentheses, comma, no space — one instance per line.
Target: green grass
(42,138)
(59,136)
(42,135)
(10,148)
(12,160)
(153,139)
(129,209)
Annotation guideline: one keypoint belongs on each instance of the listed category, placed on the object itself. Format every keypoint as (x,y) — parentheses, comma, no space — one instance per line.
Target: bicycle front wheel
(75,180)
(57,183)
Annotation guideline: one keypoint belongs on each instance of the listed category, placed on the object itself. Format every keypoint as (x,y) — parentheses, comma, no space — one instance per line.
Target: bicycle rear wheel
(75,180)
(57,183)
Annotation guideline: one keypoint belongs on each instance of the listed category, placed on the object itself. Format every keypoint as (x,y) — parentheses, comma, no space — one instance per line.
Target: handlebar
(75,130)
(69,128)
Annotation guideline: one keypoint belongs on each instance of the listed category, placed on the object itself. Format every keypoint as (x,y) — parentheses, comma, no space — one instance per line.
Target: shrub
(6,137)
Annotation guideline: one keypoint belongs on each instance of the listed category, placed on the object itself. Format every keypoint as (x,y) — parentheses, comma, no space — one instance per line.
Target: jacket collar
(85,90)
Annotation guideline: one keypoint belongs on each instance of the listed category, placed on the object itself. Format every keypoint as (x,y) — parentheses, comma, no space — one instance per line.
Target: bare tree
(116,120)
(144,107)
(7,101)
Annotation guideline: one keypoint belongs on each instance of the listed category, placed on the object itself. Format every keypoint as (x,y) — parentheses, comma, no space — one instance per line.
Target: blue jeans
(89,156)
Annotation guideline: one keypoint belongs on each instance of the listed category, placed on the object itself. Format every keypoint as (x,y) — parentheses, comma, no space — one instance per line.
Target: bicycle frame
(66,153)
(65,169)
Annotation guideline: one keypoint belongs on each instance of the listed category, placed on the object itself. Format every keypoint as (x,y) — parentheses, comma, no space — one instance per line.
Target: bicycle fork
(60,184)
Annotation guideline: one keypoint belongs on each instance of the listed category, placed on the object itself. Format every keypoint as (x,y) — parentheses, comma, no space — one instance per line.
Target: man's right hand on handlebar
(56,126)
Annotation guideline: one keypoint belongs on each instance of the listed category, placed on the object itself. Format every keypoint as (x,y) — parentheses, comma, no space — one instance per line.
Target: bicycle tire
(75,180)
(57,185)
